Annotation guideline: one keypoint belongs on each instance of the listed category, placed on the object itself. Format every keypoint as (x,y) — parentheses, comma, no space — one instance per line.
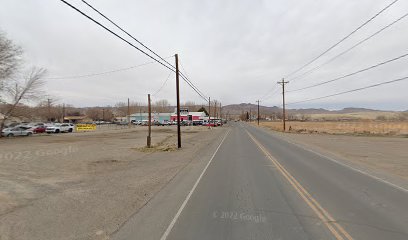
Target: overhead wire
(162,86)
(188,81)
(115,34)
(271,94)
(349,91)
(341,40)
(100,73)
(171,68)
(350,74)
(127,33)
(185,73)
(268,92)
(349,49)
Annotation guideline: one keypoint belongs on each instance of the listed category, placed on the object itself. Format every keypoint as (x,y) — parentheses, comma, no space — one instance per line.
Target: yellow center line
(335,228)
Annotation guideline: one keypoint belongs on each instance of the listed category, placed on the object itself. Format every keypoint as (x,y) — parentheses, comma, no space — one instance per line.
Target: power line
(343,39)
(115,34)
(271,94)
(100,73)
(164,83)
(353,90)
(350,74)
(351,48)
(127,33)
(200,92)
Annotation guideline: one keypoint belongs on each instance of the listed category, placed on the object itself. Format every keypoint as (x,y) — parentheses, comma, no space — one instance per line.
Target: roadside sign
(85,127)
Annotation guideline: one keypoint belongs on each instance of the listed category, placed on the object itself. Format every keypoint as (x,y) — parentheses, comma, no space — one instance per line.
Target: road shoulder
(316,143)
(152,220)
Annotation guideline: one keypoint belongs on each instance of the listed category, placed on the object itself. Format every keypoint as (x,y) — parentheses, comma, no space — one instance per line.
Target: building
(77,119)
(160,117)
(185,115)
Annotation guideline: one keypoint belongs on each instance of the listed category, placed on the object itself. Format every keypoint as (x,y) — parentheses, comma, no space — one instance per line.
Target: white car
(17,131)
(60,127)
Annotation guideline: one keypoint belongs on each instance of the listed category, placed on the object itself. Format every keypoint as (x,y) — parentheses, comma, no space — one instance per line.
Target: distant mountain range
(237,109)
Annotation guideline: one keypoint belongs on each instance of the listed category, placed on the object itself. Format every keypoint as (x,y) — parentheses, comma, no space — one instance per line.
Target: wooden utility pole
(250,114)
(209,111)
(283,103)
(128,113)
(215,109)
(258,111)
(49,109)
(220,113)
(103,114)
(149,136)
(178,103)
(209,108)
(63,112)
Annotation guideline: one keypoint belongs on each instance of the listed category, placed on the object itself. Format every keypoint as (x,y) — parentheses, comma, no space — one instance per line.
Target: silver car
(17,131)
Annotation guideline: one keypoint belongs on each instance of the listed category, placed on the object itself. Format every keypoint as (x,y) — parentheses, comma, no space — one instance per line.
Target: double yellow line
(336,229)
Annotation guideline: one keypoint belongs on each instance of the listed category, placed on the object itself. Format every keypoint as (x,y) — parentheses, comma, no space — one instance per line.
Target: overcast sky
(233,51)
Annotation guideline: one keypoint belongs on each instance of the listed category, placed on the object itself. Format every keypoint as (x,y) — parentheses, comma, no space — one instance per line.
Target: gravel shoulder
(384,157)
(86,185)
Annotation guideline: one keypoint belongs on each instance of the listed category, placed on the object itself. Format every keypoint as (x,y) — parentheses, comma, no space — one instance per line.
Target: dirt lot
(396,128)
(385,157)
(85,185)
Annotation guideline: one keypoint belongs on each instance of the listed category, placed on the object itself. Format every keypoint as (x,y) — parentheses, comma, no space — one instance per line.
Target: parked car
(157,123)
(166,123)
(136,122)
(210,124)
(197,122)
(39,129)
(16,131)
(60,127)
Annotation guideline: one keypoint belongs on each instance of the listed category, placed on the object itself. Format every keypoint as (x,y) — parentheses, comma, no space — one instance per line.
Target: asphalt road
(259,186)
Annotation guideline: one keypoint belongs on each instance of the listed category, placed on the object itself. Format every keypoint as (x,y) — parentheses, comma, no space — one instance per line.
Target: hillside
(314,113)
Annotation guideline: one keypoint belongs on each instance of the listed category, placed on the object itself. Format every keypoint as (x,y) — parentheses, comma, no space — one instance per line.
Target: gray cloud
(234,51)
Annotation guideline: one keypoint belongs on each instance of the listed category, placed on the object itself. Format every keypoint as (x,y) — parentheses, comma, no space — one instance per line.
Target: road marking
(173,222)
(336,229)
(345,165)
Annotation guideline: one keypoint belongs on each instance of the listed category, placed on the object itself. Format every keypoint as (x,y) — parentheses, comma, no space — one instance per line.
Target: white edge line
(352,168)
(173,222)
(344,165)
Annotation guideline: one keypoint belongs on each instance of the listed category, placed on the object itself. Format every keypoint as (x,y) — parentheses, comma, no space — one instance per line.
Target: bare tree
(18,92)
(10,59)
(162,106)
(94,113)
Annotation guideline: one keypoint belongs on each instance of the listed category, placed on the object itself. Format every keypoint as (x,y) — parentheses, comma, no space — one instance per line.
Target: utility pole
(178,103)
(49,109)
(250,114)
(128,113)
(63,112)
(258,111)
(283,103)
(220,113)
(149,136)
(103,114)
(215,109)
(209,111)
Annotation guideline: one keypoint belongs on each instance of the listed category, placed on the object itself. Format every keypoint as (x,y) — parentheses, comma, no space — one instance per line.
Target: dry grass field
(357,116)
(365,127)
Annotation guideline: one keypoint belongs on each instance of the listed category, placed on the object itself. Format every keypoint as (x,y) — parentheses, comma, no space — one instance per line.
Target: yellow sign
(85,127)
